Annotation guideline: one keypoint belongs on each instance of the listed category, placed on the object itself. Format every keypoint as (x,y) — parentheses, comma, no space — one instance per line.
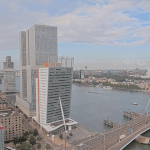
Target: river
(89,109)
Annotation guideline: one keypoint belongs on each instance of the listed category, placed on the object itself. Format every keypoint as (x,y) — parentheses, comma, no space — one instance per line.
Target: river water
(89,109)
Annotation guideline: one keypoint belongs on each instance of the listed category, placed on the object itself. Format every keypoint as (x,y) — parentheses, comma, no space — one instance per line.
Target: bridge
(110,140)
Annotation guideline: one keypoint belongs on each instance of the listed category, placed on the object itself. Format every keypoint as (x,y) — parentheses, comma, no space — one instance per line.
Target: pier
(111,123)
(130,115)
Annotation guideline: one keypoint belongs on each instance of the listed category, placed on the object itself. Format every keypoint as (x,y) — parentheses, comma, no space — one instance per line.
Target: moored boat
(107,87)
(134,103)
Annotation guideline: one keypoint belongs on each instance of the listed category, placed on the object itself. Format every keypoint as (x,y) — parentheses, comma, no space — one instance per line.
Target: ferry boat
(107,87)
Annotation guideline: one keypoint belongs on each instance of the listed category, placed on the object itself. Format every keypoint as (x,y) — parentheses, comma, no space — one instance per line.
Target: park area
(29,140)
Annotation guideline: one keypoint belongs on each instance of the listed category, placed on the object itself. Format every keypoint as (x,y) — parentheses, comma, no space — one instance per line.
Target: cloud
(126,62)
(142,64)
(102,23)
(115,65)
(14,7)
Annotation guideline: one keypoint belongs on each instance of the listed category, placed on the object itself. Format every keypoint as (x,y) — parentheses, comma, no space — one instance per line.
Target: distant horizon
(100,69)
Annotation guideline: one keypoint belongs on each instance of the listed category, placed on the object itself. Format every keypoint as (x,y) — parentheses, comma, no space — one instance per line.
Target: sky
(102,34)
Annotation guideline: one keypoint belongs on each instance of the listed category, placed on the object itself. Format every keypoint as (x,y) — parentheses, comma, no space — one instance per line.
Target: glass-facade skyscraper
(37,45)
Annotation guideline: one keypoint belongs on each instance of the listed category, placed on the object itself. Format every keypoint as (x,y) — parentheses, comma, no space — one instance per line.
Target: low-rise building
(12,123)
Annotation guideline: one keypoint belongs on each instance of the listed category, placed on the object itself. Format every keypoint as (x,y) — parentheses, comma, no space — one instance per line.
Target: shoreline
(135,90)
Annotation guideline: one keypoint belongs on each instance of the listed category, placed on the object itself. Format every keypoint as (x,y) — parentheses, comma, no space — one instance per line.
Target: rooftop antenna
(86,64)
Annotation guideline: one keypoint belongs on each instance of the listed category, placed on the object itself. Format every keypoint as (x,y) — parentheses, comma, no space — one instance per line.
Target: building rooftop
(8,111)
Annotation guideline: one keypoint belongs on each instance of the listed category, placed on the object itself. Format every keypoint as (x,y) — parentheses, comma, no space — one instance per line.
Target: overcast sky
(104,34)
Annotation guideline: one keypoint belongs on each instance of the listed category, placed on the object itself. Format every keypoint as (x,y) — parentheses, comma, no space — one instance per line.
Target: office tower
(37,45)
(9,76)
(1,137)
(53,81)
(81,74)
(8,63)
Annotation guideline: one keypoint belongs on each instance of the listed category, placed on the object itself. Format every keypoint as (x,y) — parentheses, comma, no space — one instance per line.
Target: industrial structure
(37,45)
(9,76)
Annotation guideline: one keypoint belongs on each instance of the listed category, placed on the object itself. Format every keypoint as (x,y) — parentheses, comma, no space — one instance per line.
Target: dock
(130,115)
(111,123)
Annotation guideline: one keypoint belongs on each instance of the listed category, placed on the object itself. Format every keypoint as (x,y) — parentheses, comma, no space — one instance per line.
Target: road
(110,139)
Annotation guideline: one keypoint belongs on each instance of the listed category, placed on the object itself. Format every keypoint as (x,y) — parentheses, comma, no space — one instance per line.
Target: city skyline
(106,34)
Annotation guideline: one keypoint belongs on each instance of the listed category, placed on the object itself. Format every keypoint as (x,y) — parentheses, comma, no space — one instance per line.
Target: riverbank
(86,84)
(117,88)
(136,90)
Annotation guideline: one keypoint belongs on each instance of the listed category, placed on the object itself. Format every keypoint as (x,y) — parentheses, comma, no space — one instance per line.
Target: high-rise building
(54,81)
(1,137)
(148,74)
(37,45)
(9,76)
(81,74)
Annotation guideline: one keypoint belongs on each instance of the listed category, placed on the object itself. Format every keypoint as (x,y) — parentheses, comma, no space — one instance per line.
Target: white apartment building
(52,83)
(37,45)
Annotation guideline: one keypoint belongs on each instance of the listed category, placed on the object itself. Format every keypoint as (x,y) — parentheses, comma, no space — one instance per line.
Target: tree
(39,138)
(47,146)
(61,136)
(30,132)
(24,146)
(32,141)
(67,137)
(26,133)
(39,145)
(35,132)
(15,141)
(22,139)
(70,134)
